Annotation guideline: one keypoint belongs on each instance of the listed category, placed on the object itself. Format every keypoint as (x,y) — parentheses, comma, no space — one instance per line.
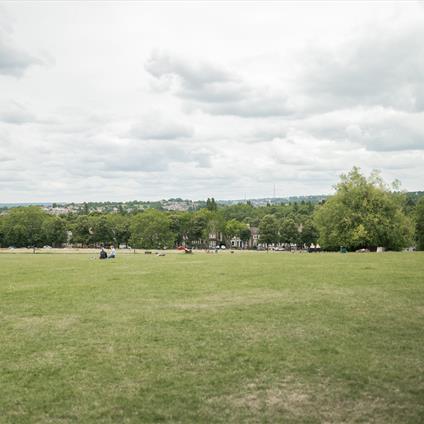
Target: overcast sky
(121,101)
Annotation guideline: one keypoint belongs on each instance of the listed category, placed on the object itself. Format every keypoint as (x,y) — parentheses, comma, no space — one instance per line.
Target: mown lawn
(243,338)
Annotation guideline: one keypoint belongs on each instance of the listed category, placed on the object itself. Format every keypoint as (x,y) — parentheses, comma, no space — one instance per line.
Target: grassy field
(248,337)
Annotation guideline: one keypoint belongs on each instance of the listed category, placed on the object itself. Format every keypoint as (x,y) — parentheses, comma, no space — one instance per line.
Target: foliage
(234,228)
(419,226)
(203,223)
(102,231)
(180,225)
(288,231)
(211,205)
(309,233)
(150,230)
(23,227)
(82,230)
(245,234)
(363,214)
(54,230)
(119,225)
(268,230)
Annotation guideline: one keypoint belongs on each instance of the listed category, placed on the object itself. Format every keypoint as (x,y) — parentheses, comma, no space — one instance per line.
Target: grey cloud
(15,113)
(156,128)
(196,74)
(390,135)
(217,91)
(385,69)
(14,61)
(100,156)
(254,104)
(377,129)
(153,157)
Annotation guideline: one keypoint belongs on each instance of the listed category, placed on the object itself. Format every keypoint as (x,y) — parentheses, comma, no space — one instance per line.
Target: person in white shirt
(112,253)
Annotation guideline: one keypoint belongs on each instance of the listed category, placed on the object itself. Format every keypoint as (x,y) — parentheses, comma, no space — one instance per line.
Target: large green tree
(55,232)
(288,231)
(309,233)
(363,213)
(102,230)
(202,224)
(180,225)
(419,226)
(211,205)
(119,226)
(268,230)
(151,230)
(245,235)
(82,231)
(234,228)
(23,227)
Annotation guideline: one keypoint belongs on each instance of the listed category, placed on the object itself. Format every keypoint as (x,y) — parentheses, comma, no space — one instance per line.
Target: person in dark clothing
(103,254)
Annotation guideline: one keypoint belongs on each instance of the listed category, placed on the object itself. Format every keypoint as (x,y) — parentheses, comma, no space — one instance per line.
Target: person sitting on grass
(103,254)
(112,253)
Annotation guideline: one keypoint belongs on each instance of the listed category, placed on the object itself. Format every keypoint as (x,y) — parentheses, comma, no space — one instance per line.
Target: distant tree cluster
(363,213)
(30,226)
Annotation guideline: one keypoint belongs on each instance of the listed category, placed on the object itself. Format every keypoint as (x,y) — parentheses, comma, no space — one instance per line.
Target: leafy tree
(245,234)
(179,224)
(309,233)
(288,230)
(54,230)
(82,230)
(242,212)
(419,226)
(211,205)
(1,230)
(233,228)
(22,227)
(198,226)
(268,230)
(119,226)
(102,230)
(363,213)
(150,230)
(215,225)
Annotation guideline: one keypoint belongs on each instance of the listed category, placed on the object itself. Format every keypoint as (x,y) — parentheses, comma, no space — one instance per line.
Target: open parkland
(219,338)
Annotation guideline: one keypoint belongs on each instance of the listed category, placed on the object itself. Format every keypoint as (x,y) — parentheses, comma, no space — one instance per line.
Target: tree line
(363,213)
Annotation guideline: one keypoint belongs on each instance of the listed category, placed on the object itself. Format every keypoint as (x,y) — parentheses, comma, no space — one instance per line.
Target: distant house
(252,243)
(237,243)
(215,239)
(254,237)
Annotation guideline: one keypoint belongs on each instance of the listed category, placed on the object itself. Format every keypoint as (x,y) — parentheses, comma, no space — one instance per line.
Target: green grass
(252,337)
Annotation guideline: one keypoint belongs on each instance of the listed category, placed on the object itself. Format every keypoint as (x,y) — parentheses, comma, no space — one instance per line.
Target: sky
(152,100)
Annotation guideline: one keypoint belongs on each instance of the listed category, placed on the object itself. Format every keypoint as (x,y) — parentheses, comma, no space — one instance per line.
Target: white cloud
(157,127)
(14,113)
(198,100)
(14,61)
(216,90)
(379,68)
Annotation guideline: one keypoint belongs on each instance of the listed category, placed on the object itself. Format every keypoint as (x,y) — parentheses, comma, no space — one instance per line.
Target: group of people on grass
(105,255)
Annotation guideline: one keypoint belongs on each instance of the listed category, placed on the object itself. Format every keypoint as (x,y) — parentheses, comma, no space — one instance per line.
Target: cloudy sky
(121,101)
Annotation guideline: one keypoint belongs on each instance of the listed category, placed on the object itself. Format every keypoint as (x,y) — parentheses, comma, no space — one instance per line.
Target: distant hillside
(16,205)
(276,200)
(177,204)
